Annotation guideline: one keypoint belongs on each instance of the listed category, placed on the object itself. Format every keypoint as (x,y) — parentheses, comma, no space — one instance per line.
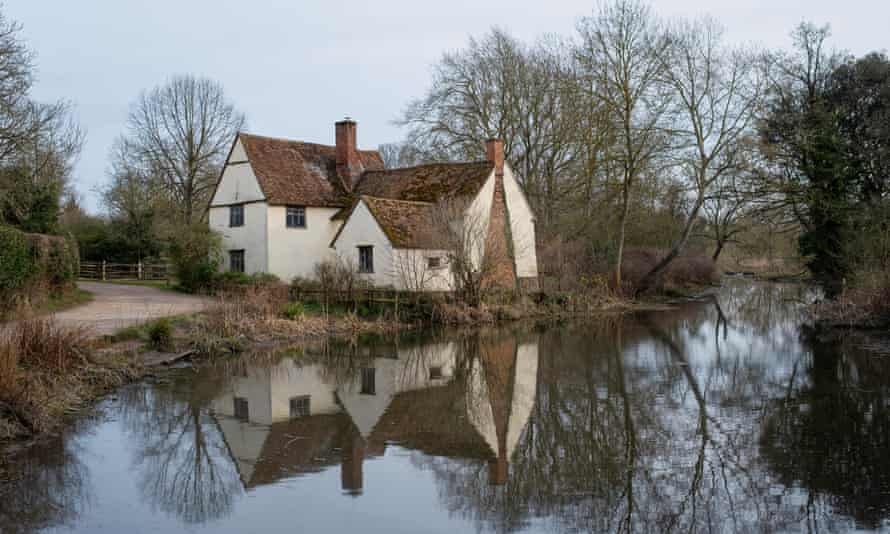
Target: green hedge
(35,266)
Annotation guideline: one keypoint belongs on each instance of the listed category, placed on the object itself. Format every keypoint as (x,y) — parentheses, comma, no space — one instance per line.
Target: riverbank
(52,370)
(860,308)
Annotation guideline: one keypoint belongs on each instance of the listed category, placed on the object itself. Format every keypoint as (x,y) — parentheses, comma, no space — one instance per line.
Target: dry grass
(857,308)
(48,371)
(254,314)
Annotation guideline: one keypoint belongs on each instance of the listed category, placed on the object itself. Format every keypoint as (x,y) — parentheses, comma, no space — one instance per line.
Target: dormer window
(296,217)
(236,215)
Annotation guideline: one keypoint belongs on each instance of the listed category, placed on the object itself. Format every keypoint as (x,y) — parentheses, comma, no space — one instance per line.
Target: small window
(236,215)
(296,217)
(369,381)
(366,259)
(435,373)
(299,407)
(242,409)
(236,261)
(434,262)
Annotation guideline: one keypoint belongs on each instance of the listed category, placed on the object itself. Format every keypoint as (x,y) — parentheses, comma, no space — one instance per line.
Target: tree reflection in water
(181,458)
(831,435)
(48,485)
(651,423)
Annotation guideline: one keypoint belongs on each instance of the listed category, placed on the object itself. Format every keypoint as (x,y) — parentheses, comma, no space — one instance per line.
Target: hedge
(35,266)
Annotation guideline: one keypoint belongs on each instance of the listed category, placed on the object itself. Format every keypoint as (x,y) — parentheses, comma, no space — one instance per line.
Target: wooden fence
(101,270)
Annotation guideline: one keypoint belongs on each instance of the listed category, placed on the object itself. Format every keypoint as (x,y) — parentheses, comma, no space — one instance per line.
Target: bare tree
(501,88)
(622,55)
(411,270)
(183,131)
(37,173)
(397,155)
(716,92)
(133,198)
(461,229)
(724,211)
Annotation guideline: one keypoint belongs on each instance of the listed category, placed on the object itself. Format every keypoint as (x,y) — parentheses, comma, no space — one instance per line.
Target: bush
(264,278)
(196,253)
(300,283)
(230,278)
(16,262)
(293,310)
(160,334)
(34,267)
(688,269)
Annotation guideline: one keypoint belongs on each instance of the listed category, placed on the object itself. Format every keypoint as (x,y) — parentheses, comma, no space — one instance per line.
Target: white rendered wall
(361,229)
(251,237)
(478,215)
(238,182)
(522,227)
(295,251)
(411,270)
(289,380)
(238,185)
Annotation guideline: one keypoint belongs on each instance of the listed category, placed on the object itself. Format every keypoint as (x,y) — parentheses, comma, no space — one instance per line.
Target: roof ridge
(273,138)
(300,142)
(430,164)
(372,197)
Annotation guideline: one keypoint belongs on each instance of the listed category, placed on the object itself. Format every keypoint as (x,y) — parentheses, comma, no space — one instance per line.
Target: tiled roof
(426,183)
(294,172)
(407,224)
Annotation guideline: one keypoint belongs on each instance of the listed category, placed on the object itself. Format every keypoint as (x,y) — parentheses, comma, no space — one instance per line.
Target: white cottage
(282,206)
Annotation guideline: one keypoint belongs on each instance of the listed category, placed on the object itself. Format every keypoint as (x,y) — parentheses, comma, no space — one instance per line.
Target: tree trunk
(621,231)
(719,249)
(652,276)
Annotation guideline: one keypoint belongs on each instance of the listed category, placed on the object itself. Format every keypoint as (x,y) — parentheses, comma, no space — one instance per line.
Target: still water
(720,416)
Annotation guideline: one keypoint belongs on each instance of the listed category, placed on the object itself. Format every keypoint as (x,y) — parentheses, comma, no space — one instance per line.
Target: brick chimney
(503,271)
(352,465)
(494,150)
(349,165)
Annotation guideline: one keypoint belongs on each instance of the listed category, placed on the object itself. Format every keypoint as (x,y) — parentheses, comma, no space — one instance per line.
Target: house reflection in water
(464,399)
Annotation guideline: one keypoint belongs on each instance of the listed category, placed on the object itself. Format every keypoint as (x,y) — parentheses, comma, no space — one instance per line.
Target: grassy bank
(48,372)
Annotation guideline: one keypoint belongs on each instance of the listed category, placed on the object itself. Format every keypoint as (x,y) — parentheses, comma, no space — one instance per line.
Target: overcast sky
(296,66)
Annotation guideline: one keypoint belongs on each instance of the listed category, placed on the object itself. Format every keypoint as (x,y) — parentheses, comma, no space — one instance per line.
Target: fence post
(103,270)
(139,270)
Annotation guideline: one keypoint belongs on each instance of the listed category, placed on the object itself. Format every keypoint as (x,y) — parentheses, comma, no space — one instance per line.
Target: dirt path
(116,306)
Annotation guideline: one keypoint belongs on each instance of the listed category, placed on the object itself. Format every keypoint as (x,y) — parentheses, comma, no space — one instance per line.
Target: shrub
(34,267)
(230,278)
(16,263)
(264,278)
(690,268)
(300,283)
(196,253)
(293,310)
(160,334)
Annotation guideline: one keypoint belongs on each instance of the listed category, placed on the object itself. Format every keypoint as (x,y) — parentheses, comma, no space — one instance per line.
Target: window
(236,261)
(242,409)
(299,407)
(236,215)
(435,373)
(369,381)
(366,259)
(296,216)
(434,262)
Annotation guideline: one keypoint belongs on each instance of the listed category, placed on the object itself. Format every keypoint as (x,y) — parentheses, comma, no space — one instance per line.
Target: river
(723,415)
